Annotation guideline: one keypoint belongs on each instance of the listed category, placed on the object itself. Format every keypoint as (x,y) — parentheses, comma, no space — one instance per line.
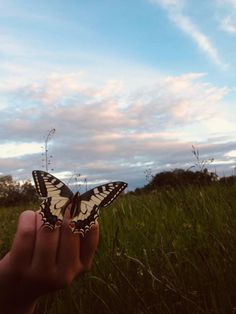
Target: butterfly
(84,210)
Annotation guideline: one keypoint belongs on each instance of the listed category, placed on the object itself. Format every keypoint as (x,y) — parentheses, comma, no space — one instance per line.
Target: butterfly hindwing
(50,216)
(56,197)
(91,201)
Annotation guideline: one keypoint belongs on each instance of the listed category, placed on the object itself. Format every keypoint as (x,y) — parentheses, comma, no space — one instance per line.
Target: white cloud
(228,24)
(199,37)
(174,9)
(223,162)
(226,14)
(230,3)
(10,150)
(232,153)
(221,124)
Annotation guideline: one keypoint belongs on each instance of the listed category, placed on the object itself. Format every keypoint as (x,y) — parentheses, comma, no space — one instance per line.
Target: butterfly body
(84,208)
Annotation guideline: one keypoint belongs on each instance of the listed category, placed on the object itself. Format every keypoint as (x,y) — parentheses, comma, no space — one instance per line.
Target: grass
(166,252)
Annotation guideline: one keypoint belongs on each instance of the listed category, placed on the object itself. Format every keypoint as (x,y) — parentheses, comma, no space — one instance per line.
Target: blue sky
(128,85)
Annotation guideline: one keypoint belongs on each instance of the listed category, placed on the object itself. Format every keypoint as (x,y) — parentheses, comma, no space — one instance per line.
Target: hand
(42,260)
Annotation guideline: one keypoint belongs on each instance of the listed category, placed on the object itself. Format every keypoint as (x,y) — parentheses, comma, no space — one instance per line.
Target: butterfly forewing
(56,197)
(87,212)
(49,186)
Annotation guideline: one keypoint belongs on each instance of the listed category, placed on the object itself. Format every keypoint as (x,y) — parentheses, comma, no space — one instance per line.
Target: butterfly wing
(56,196)
(89,203)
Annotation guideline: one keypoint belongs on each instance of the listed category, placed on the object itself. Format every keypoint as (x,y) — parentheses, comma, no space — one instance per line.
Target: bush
(179,178)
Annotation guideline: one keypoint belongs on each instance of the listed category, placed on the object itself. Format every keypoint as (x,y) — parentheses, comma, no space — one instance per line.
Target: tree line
(14,193)
(178,178)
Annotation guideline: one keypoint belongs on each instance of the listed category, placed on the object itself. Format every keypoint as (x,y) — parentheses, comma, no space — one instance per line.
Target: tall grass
(166,252)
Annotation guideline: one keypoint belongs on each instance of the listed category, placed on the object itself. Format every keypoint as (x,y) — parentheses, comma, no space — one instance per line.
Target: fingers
(68,248)
(88,247)
(23,245)
(56,253)
(46,245)
(76,253)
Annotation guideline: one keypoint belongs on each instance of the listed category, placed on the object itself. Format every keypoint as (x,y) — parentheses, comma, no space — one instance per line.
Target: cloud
(65,102)
(232,153)
(108,131)
(227,16)
(231,4)
(69,105)
(228,25)
(174,9)
(10,150)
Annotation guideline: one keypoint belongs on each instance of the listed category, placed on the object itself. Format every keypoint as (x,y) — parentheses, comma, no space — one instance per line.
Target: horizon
(128,86)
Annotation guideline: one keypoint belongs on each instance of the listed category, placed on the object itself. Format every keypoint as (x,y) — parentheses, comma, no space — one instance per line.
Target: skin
(42,260)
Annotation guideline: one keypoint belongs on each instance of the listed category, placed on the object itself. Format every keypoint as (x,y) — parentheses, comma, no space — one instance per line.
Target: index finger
(22,249)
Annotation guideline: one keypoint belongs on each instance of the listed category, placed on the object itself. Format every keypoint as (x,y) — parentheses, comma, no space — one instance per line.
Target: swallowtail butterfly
(84,210)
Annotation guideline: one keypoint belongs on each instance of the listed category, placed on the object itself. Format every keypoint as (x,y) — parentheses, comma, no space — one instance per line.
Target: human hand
(42,260)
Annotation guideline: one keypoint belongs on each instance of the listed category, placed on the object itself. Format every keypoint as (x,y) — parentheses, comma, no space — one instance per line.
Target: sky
(128,85)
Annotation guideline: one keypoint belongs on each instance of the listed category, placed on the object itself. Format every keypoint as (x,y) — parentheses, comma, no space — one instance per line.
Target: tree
(13,193)
(180,177)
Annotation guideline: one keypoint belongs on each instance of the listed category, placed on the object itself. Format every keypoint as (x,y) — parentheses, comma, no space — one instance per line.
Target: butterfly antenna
(75,177)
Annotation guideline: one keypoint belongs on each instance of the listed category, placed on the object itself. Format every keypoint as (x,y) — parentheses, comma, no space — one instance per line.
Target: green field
(166,252)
